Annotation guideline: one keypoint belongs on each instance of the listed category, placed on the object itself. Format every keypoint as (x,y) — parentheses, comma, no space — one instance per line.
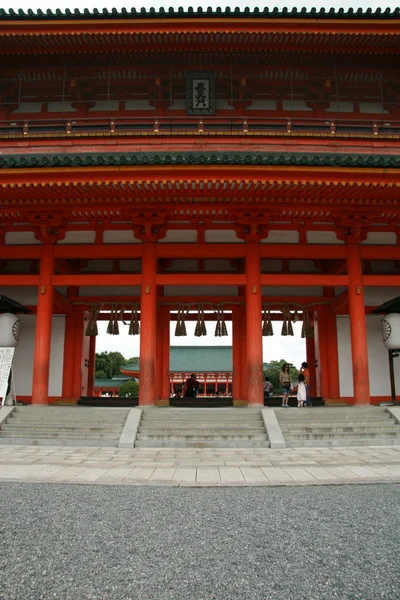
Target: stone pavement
(200,467)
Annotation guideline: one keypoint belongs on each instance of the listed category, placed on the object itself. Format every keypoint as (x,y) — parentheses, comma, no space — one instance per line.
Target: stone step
(57,434)
(288,431)
(9,426)
(201,444)
(197,437)
(336,423)
(203,418)
(316,435)
(65,442)
(201,430)
(342,442)
(309,414)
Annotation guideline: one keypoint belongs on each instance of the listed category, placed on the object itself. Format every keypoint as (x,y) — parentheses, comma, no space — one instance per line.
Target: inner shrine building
(162,165)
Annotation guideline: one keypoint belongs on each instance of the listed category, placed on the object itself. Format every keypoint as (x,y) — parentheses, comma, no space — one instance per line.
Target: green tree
(129,388)
(101,374)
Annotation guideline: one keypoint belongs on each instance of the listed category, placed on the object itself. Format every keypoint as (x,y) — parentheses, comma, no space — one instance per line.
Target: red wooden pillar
(255,394)
(79,332)
(236,353)
(322,354)
(69,355)
(165,353)
(358,328)
(148,305)
(243,353)
(332,357)
(44,315)
(310,352)
(159,352)
(91,366)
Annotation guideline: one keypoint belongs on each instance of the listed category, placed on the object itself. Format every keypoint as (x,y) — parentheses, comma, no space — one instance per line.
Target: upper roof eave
(199,13)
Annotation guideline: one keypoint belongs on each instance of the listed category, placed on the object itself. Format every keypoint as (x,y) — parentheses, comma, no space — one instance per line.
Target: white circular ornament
(9,330)
(390,327)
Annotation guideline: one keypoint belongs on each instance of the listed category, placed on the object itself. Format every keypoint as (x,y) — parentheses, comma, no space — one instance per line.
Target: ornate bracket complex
(252,226)
(50,228)
(149,226)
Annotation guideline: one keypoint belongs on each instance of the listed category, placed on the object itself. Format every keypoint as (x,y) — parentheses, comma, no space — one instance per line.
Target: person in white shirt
(301,392)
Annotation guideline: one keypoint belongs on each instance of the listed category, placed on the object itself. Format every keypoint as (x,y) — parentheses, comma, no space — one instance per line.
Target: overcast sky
(71,4)
(292,349)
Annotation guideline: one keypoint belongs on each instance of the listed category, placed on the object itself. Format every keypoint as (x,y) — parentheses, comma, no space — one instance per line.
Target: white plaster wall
(21,237)
(79,237)
(377,358)
(322,237)
(221,236)
(386,238)
(24,295)
(116,290)
(281,237)
(177,236)
(374,296)
(23,361)
(119,237)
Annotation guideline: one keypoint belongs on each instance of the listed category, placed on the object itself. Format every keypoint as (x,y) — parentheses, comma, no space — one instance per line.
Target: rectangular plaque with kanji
(200,93)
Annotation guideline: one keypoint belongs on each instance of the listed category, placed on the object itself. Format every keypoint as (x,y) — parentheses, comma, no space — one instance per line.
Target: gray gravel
(81,542)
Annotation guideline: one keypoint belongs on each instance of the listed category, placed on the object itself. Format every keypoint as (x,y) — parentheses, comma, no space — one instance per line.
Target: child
(301,392)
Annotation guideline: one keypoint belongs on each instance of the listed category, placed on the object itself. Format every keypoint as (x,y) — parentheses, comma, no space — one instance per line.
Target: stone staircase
(201,428)
(338,426)
(63,426)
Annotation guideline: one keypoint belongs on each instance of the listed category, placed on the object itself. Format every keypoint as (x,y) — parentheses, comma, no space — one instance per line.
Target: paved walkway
(206,467)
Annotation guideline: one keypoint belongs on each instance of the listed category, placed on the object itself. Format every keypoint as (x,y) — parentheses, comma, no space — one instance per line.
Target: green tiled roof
(193,13)
(195,359)
(197,158)
(111,383)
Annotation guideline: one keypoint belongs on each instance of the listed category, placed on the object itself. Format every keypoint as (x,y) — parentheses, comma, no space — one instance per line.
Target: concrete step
(201,444)
(303,414)
(342,442)
(10,426)
(288,431)
(203,419)
(197,437)
(316,435)
(200,430)
(336,423)
(65,442)
(57,434)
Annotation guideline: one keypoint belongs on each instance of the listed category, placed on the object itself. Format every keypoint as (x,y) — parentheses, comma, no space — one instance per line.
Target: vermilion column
(332,357)
(322,354)
(92,366)
(243,352)
(310,352)
(148,305)
(236,349)
(358,329)
(79,332)
(69,355)
(165,353)
(159,352)
(44,315)
(254,380)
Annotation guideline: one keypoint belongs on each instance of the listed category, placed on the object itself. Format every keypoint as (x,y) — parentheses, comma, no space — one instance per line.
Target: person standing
(267,387)
(191,386)
(286,382)
(301,392)
(305,371)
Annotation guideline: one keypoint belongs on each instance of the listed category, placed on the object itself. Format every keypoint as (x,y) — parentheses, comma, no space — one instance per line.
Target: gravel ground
(81,542)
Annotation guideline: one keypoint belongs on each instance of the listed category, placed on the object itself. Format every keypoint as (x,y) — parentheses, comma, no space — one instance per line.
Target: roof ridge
(199,12)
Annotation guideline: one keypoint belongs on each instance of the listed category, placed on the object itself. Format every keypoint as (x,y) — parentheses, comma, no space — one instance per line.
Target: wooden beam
(19,280)
(381,280)
(193,250)
(340,302)
(18,252)
(200,279)
(311,251)
(277,279)
(100,279)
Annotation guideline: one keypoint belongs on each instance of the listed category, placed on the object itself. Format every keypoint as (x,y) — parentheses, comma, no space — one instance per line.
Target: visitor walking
(286,382)
(305,371)
(301,392)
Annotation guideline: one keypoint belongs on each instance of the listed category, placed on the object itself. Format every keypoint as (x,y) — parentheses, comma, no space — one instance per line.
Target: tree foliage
(272,371)
(108,364)
(129,388)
